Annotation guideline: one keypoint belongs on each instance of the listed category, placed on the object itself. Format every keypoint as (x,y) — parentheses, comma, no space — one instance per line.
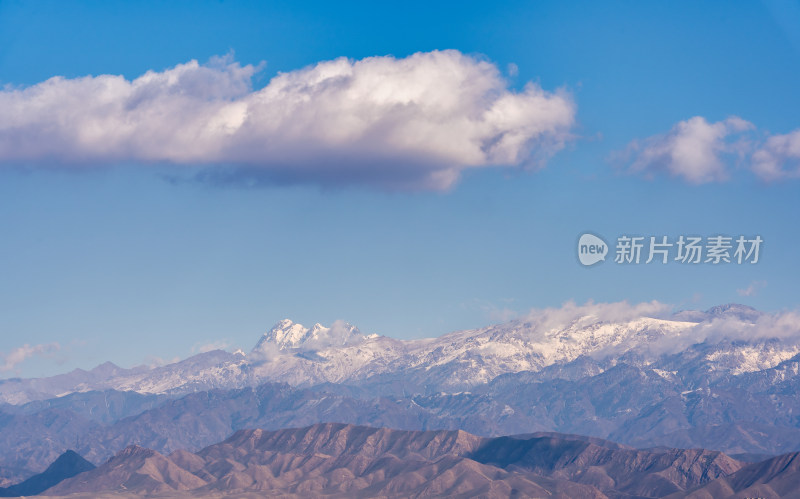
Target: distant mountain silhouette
(66,466)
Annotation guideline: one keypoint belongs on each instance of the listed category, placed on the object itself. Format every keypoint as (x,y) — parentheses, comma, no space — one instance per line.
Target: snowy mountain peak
(290,335)
(106,369)
(722,341)
(318,329)
(284,334)
(343,333)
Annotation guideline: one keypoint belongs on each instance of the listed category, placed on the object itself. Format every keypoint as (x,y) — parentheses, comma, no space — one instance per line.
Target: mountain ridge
(67,465)
(341,460)
(725,383)
(457,361)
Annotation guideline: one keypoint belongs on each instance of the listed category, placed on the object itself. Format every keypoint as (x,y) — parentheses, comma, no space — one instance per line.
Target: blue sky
(116,257)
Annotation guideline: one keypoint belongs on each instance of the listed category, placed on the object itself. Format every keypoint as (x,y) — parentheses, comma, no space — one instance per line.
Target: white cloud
(499,314)
(752,289)
(210,346)
(590,313)
(494,311)
(153,361)
(26,351)
(783,325)
(338,334)
(779,157)
(416,122)
(700,152)
(692,150)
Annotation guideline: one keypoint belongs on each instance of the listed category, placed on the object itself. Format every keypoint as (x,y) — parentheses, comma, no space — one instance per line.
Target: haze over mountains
(725,379)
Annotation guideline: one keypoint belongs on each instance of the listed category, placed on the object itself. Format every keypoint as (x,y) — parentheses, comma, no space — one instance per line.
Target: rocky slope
(66,466)
(354,461)
(774,478)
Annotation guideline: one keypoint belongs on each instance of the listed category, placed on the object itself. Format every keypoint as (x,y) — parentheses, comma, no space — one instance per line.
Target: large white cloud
(415,122)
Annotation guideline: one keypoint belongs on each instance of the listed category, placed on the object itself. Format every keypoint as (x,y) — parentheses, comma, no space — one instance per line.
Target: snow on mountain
(289,335)
(476,357)
(284,334)
(205,371)
(751,358)
(292,353)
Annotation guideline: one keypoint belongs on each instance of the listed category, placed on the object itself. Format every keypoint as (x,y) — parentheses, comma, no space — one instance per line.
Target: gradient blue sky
(122,264)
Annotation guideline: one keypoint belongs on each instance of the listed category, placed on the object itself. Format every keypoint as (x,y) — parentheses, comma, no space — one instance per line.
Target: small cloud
(495,312)
(589,313)
(512,69)
(752,289)
(26,351)
(153,361)
(694,150)
(700,152)
(209,346)
(778,158)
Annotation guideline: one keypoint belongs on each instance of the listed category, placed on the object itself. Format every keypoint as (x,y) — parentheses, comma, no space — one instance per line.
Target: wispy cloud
(153,361)
(494,311)
(693,150)
(402,123)
(780,325)
(11,360)
(783,325)
(698,152)
(779,157)
(209,346)
(752,289)
(591,313)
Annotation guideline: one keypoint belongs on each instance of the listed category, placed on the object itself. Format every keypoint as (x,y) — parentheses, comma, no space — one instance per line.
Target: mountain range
(457,361)
(340,460)
(723,379)
(66,466)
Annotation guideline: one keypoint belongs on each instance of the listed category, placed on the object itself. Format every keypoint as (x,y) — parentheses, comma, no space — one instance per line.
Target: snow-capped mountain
(734,339)
(287,335)
(726,378)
